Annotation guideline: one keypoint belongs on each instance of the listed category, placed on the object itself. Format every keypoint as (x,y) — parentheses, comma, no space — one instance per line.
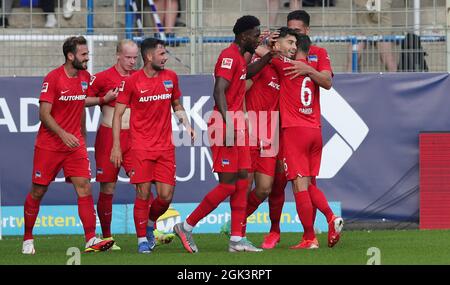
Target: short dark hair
(245,23)
(303,43)
(285,31)
(299,15)
(150,44)
(70,45)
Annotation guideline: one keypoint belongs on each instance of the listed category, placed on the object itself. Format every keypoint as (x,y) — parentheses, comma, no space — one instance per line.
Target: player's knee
(38,191)
(166,196)
(108,188)
(84,188)
(264,191)
(242,174)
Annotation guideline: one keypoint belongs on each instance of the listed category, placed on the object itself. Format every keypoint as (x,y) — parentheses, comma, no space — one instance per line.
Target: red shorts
(47,164)
(264,165)
(105,170)
(230,159)
(302,151)
(152,166)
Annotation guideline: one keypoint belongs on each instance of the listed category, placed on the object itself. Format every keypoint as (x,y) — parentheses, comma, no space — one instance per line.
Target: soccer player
(300,118)
(103,91)
(150,93)
(318,68)
(232,158)
(60,143)
(261,101)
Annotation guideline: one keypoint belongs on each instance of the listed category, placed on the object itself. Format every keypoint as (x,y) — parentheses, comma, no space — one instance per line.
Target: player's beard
(250,48)
(157,67)
(79,64)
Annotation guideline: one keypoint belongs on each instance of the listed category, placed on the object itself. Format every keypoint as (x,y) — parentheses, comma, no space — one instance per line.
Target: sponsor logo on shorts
(37,174)
(225,162)
(131,173)
(99,171)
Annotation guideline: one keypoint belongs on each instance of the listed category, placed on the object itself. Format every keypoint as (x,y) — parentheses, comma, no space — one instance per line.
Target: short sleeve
(49,89)
(225,66)
(94,86)
(126,92)
(176,88)
(324,61)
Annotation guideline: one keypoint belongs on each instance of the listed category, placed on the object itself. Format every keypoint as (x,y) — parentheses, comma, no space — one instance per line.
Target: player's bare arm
(83,125)
(180,113)
(110,96)
(298,68)
(116,152)
(258,65)
(220,86)
(49,122)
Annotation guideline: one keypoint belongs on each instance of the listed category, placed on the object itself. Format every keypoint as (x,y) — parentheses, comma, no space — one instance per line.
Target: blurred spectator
(167,12)
(48,6)
(274,6)
(374,18)
(320,3)
(5,11)
(68,8)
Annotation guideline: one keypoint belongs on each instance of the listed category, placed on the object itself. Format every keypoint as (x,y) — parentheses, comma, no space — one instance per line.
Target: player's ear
(70,56)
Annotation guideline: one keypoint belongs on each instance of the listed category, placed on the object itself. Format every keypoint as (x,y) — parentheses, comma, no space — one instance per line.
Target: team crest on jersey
(312,58)
(92,80)
(44,87)
(227,63)
(84,85)
(122,85)
(168,84)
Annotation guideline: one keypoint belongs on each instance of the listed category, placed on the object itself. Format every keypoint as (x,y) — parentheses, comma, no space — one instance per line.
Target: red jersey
(231,65)
(299,101)
(106,80)
(319,59)
(67,96)
(150,100)
(263,95)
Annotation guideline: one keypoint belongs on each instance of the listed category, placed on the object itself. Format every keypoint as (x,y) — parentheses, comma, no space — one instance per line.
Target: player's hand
(111,95)
(116,156)
(192,134)
(297,69)
(69,139)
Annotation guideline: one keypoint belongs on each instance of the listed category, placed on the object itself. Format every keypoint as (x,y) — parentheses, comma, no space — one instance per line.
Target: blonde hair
(122,43)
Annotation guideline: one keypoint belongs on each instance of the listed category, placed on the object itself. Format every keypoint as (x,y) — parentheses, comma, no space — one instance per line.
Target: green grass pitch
(396,247)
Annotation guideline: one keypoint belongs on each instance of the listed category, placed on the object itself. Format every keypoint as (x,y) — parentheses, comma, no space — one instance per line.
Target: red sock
(210,202)
(276,201)
(320,201)
(86,212)
(141,210)
(253,203)
(238,205)
(104,212)
(158,207)
(305,211)
(313,181)
(30,213)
